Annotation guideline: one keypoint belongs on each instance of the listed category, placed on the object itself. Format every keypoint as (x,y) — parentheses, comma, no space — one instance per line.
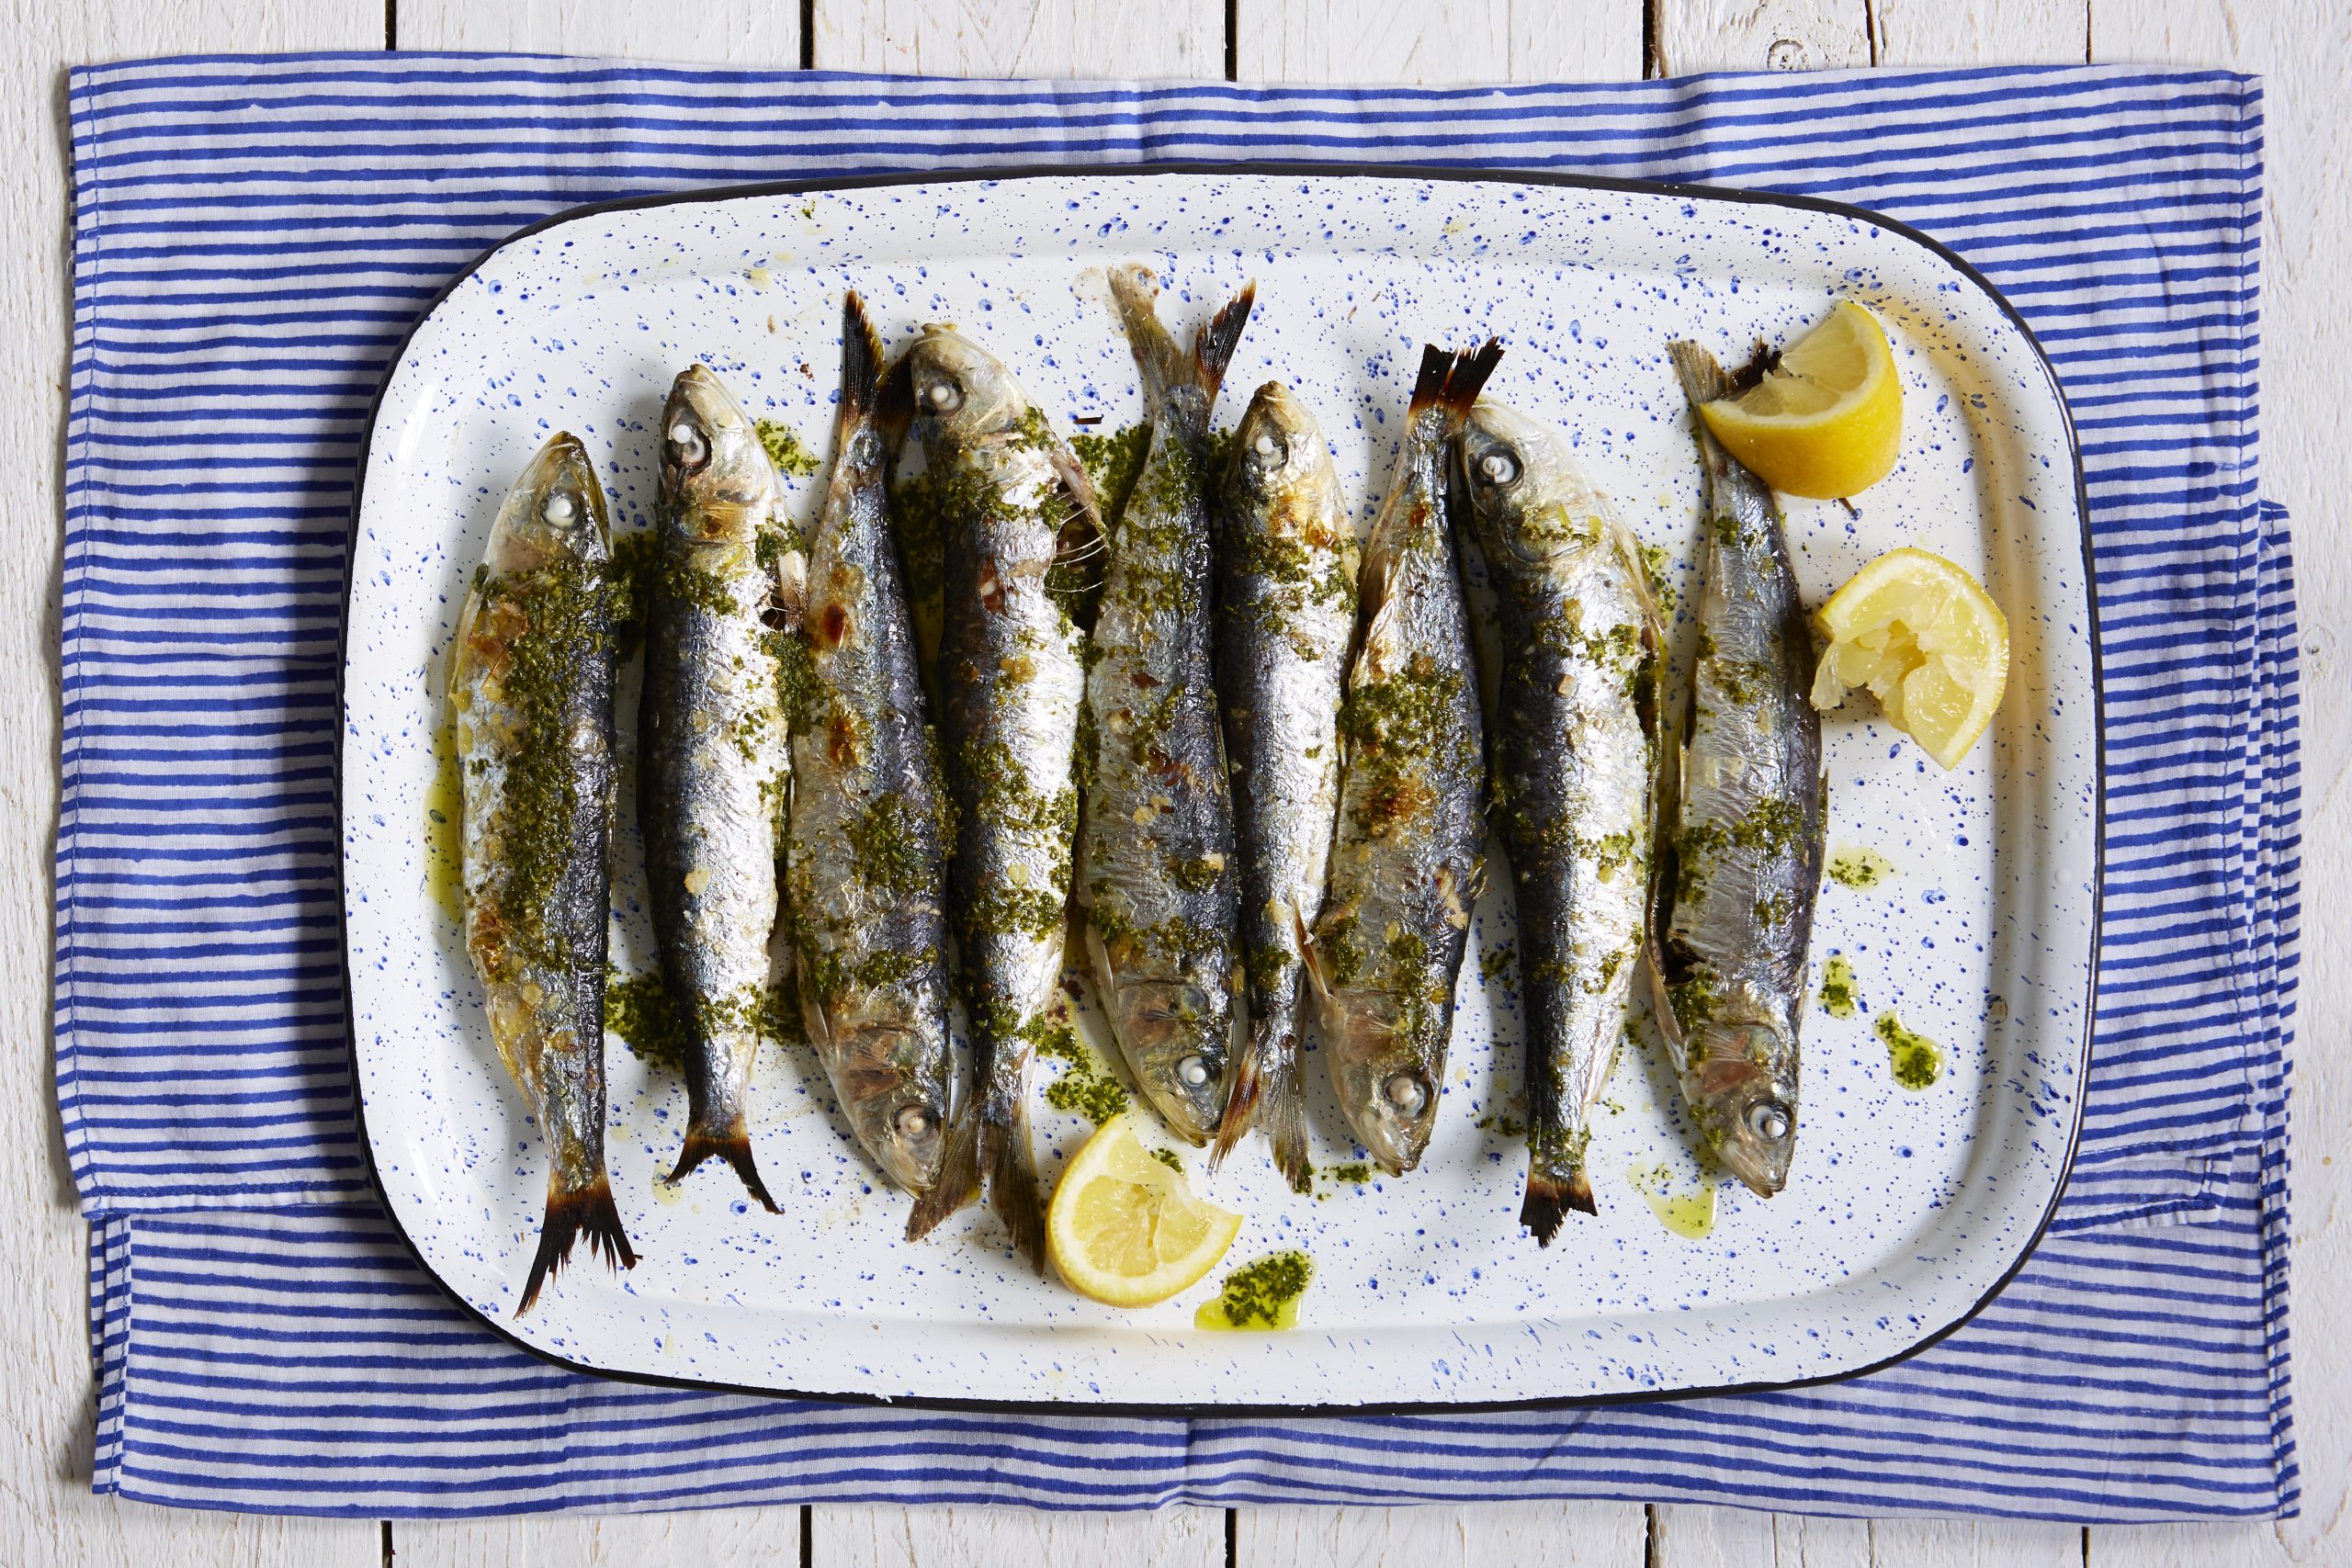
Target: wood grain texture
(49,1514)
(751,1538)
(1022,38)
(2303,50)
(1526,1535)
(1733,1538)
(1761,35)
(1014,1537)
(730,34)
(1411,40)
(1981,32)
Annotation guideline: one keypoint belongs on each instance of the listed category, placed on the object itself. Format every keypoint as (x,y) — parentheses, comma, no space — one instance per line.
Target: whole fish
(868,862)
(1157,883)
(1287,610)
(1739,860)
(1019,541)
(530,694)
(714,760)
(1574,771)
(1407,862)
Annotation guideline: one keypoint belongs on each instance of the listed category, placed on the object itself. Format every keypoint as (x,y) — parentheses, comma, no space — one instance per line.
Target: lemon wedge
(1827,419)
(1124,1229)
(1927,641)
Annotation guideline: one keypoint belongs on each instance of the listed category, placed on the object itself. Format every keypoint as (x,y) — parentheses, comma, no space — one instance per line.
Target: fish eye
(688,447)
(1769,1120)
(559,510)
(1193,1071)
(1499,469)
(912,1121)
(1270,448)
(943,396)
(1406,1093)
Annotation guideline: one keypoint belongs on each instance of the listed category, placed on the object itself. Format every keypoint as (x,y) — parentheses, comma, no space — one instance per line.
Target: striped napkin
(252,236)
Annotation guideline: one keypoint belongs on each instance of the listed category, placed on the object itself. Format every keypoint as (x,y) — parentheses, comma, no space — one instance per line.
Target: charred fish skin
(1020,549)
(1407,863)
(1157,883)
(1739,862)
(865,881)
(530,693)
(1574,754)
(715,763)
(1285,616)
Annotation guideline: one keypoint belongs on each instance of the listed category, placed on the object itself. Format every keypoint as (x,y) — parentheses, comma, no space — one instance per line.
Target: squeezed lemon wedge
(1930,643)
(1124,1229)
(1827,419)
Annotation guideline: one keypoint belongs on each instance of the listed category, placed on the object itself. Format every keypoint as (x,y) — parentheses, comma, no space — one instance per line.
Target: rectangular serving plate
(1905,1211)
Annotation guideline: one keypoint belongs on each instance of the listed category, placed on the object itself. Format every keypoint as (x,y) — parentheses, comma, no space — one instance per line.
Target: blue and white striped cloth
(252,237)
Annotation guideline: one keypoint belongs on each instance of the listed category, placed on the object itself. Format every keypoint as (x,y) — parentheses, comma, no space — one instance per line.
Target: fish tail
(1012,1182)
(861,361)
(1703,379)
(959,1177)
(1557,1182)
(1266,1092)
(1452,381)
(731,1143)
(587,1211)
(1213,346)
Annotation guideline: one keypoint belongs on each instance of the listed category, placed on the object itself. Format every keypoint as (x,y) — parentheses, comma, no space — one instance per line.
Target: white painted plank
(1526,1535)
(1024,38)
(1411,40)
(1982,32)
(2303,49)
(1757,35)
(1014,1537)
(749,1538)
(736,32)
(49,1514)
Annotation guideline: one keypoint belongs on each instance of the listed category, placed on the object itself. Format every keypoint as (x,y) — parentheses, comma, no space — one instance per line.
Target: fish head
(1742,1094)
(955,391)
(718,485)
(555,509)
(1386,1088)
(1527,499)
(1177,1037)
(1282,469)
(893,1089)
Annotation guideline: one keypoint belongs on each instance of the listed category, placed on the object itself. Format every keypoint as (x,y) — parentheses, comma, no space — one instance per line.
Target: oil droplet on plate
(1850,865)
(444,855)
(1263,1296)
(1838,998)
(1690,1215)
(1917,1061)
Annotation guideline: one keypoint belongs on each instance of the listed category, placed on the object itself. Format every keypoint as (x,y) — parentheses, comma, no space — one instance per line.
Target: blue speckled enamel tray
(1906,1209)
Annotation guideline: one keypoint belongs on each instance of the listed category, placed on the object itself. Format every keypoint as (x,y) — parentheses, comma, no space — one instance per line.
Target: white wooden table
(2304,47)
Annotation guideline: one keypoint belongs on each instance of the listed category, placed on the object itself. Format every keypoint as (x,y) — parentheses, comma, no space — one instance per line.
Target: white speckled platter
(1906,1209)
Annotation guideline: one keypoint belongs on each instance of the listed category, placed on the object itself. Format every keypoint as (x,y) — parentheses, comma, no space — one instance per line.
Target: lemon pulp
(1929,642)
(1126,1229)
(1827,419)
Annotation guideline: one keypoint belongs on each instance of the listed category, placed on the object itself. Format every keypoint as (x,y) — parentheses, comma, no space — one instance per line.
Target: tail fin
(1266,1090)
(1452,381)
(731,1143)
(959,1177)
(861,361)
(589,1212)
(1703,380)
(1550,1194)
(1163,362)
(1012,1183)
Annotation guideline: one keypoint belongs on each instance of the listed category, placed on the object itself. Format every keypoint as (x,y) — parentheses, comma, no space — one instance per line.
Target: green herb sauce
(1917,1061)
(1263,1296)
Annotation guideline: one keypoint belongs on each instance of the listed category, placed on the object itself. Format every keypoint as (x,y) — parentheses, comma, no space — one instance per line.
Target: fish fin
(861,361)
(1161,360)
(1452,381)
(959,1177)
(732,1144)
(1214,344)
(1082,543)
(587,1212)
(893,403)
(1012,1183)
(1266,1091)
(1703,379)
(1550,1195)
